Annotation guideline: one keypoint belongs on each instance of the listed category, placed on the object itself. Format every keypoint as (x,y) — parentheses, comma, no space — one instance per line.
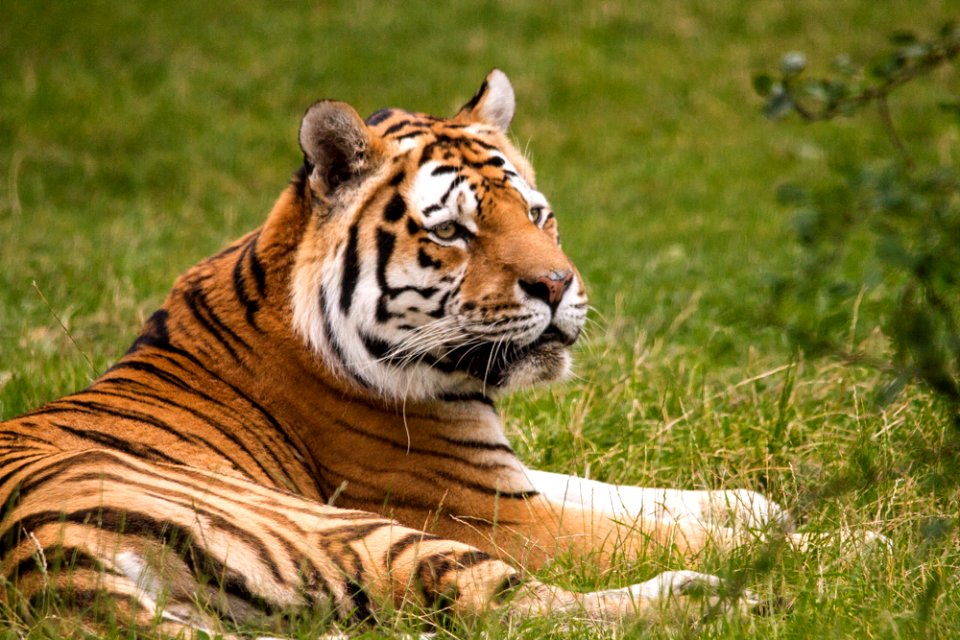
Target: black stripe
(379,501)
(475,100)
(351,270)
(216,517)
(484,489)
(377,348)
(412,227)
(251,306)
(300,178)
(256,267)
(68,595)
(385,245)
(137,449)
(20,436)
(410,134)
(69,405)
(379,116)
(477,444)
(358,598)
(467,397)
(480,143)
(397,126)
(456,182)
(58,558)
(397,179)
(395,208)
(349,533)
(11,467)
(403,447)
(433,569)
(233,248)
(404,543)
(441,309)
(444,168)
(506,589)
(196,301)
(154,371)
(426,261)
(53,470)
(154,332)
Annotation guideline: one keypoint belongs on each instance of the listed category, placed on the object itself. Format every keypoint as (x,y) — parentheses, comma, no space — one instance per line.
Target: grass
(137,138)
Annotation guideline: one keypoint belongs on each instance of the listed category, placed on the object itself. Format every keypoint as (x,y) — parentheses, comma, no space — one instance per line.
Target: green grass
(137,138)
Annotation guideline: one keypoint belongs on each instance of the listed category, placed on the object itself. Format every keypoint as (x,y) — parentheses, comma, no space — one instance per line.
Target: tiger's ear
(337,144)
(494,103)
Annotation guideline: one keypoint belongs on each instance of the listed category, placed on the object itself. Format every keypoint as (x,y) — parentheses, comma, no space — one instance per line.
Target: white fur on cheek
(307,316)
(338,336)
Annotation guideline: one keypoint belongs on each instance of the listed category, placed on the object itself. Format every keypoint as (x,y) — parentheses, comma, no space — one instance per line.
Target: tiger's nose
(549,287)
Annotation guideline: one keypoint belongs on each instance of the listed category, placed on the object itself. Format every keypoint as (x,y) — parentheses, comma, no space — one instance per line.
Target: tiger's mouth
(493,362)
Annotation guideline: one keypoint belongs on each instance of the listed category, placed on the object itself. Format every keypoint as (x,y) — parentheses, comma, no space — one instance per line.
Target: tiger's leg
(597,521)
(725,517)
(200,547)
(738,509)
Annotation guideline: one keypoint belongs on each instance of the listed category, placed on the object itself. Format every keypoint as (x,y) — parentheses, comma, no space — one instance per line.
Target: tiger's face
(434,265)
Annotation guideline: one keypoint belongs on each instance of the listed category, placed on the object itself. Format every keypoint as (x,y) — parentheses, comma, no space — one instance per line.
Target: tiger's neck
(226,324)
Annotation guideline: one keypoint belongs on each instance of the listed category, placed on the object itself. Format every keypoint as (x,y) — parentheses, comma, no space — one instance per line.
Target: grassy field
(137,138)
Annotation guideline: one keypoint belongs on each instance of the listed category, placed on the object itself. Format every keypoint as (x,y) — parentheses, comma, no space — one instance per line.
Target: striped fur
(346,353)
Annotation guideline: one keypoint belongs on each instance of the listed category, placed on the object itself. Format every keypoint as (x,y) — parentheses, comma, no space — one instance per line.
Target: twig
(884,110)
(36,288)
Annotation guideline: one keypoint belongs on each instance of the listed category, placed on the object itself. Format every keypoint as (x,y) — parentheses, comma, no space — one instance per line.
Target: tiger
(309,421)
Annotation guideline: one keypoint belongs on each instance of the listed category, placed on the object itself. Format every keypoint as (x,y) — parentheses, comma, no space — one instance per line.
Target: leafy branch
(878,240)
(855,87)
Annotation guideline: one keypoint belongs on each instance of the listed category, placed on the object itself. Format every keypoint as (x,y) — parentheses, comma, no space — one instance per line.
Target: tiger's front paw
(680,596)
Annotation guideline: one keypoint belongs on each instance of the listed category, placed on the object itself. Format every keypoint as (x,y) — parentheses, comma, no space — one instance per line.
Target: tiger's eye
(445,230)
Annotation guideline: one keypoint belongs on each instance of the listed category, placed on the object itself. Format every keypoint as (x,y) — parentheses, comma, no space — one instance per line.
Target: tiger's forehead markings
(457,165)
(442,192)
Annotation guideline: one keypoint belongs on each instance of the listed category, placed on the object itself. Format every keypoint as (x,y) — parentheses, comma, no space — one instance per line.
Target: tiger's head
(432,265)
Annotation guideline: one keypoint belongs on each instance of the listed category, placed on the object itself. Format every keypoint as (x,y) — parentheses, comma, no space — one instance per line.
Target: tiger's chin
(549,362)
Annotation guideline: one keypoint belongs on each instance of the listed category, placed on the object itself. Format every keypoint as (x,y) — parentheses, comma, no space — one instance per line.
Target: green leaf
(890,250)
(792,193)
(793,63)
(886,66)
(815,89)
(807,223)
(843,63)
(915,51)
(762,84)
(949,107)
(779,103)
(901,38)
